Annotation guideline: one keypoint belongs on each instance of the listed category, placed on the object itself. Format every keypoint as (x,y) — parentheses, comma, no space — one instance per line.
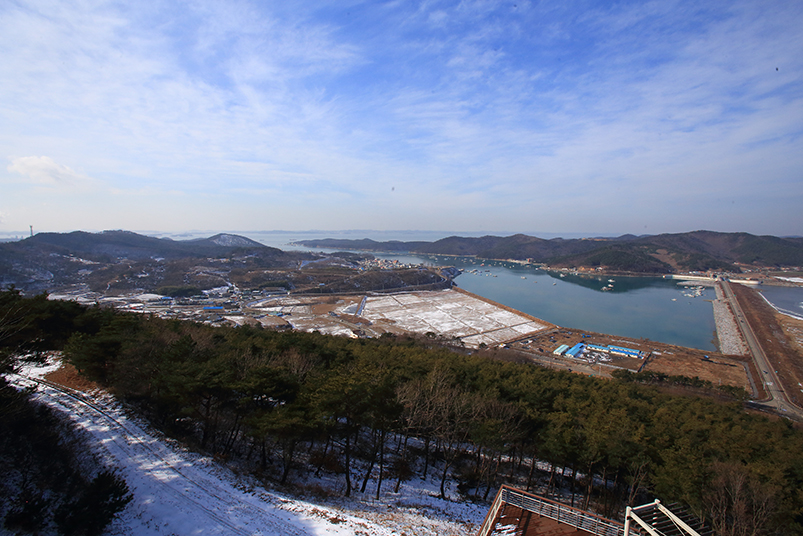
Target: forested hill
(665,253)
(370,414)
(51,260)
(131,245)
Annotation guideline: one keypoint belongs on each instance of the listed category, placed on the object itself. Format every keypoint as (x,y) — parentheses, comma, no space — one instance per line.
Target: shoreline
(779,310)
(729,340)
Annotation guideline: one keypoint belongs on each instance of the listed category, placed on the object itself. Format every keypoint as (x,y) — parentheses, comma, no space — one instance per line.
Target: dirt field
(665,358)
(67,376)
(480,323)
(780,336)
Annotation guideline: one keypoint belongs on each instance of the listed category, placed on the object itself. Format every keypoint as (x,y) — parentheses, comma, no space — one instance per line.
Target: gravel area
(730,338)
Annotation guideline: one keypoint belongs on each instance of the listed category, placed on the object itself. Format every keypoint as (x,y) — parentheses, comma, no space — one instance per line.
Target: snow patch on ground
(177,492)
(450,314)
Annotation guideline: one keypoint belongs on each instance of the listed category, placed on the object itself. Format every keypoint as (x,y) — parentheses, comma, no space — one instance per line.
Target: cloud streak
(42,170)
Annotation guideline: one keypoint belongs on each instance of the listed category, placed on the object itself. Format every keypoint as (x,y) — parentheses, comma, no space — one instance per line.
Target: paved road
(777,399)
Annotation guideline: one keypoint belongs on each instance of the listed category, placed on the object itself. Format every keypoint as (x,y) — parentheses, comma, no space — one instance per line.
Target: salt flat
(451,314)
(447,313)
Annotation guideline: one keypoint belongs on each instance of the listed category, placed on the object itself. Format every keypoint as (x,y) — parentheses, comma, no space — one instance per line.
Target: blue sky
(554,117)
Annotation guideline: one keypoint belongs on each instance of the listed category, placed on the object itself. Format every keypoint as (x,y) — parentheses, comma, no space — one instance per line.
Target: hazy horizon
(640,118)
(375,234)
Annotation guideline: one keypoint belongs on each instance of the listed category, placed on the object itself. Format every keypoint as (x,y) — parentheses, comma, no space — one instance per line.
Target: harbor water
(635,307)
(788,300)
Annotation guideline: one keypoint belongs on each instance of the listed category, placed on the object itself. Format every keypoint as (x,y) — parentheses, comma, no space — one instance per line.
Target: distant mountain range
(125,260)
(665,253)
(131,245)
(49,260)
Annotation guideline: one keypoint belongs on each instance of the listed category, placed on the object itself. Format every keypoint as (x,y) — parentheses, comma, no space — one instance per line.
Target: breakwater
(730,337)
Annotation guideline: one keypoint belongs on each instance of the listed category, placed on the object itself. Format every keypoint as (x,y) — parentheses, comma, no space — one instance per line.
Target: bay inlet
(635,307)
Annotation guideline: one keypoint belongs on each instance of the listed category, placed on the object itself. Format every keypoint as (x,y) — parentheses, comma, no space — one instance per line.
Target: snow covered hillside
(177,492)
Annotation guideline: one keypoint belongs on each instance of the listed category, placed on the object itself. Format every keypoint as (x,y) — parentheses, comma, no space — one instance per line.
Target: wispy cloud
(42,170)
(318,110)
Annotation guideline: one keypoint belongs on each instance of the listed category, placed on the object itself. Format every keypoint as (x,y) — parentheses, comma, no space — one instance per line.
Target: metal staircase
(574,517)
(656,519)
(653,519)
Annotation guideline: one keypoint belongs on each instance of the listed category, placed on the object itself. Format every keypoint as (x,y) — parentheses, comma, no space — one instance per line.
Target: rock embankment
(730,338)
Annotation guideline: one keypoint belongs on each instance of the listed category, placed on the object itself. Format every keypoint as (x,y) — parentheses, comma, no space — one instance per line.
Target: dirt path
(783,358)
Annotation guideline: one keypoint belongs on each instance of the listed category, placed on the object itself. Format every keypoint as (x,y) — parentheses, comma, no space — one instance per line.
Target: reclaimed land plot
(452,314)
(308,313)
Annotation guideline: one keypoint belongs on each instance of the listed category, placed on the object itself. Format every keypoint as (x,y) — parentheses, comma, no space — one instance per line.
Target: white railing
(490,519)
(574,517)
(657,520)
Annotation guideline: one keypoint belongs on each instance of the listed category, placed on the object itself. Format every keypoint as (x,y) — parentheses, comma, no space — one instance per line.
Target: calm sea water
(788,300)
(650,307)
(636,307)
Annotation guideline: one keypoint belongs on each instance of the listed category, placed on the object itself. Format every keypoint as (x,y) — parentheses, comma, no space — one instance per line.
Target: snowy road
(173,494)
(181,493)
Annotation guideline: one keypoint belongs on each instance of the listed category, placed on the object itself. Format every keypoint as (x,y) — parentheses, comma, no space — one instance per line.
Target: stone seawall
(730,337)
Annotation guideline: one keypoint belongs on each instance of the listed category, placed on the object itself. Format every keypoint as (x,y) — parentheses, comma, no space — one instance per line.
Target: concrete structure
(748,282)
(685,277)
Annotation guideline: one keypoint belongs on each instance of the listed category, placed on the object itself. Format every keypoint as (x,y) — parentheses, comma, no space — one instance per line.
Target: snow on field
(177,492)
(450,314)
(300,313)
